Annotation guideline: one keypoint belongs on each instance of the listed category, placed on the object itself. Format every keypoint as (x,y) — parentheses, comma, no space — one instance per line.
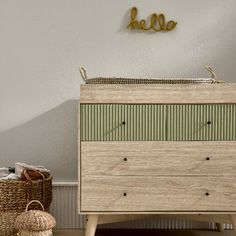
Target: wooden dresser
(152,149)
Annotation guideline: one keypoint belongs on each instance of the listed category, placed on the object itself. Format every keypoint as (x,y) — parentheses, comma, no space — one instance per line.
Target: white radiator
(65,209)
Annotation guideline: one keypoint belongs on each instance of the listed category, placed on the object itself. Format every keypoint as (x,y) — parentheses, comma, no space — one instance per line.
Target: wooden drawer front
(201,122)
(208,122)
(104,122)
(143,193)
(158,158)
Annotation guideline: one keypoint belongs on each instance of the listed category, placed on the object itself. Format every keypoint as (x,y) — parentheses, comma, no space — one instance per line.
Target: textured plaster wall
(42,44)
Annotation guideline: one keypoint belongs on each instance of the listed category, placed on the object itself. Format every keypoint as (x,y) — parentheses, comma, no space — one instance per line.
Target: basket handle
(83,73)
(28,177)
(36,201)
(213,76)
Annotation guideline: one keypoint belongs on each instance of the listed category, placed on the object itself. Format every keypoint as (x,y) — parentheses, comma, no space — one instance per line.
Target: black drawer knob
(208,122)
(125,159)
(123,122)
(125,194)
(207,194)
(207,158)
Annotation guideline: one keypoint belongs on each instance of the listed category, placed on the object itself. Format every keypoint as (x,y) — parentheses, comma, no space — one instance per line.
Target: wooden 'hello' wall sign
(157,22)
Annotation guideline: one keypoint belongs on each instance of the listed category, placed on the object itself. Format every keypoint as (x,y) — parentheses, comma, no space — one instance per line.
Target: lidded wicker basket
(35,222)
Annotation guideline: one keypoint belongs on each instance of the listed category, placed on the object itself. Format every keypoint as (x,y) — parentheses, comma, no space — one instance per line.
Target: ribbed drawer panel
(123,122)
(201,122)
(117,122)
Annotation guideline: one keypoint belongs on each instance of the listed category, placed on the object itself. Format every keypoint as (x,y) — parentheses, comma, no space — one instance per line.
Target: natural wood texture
(158,158)
(152,193)
(220,227)
(158,93)
(106,219)
(158,232)
(141,232)
(112,218)
(170,213)
(233,221)
(91,226)
(79,158)
(159,177)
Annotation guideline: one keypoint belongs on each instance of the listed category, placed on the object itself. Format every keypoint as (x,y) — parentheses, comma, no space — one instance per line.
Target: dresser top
(158,93)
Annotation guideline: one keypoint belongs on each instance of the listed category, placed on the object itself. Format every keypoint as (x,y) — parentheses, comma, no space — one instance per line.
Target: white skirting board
(65,209)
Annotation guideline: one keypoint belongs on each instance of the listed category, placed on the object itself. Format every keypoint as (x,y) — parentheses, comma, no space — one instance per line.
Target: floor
(146,233)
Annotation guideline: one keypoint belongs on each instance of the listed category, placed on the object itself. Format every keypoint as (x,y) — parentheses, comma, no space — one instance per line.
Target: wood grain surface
(158,93)
(156,193)
(158,158)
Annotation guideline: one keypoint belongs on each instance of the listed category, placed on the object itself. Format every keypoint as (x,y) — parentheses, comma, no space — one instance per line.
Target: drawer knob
(207,194)
(125,194)
(208,122)
(123,122)
(125,159)
(207,158)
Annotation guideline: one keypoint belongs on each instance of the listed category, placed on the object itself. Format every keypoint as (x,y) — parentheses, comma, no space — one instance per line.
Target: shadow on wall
(49,140)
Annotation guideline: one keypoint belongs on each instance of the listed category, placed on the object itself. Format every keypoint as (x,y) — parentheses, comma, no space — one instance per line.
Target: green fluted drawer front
(119,122)
(214,122)
(116,122)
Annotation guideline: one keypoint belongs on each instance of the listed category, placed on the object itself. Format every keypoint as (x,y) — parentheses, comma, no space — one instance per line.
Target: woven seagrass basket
(16,194)
(120,80)
(35,222)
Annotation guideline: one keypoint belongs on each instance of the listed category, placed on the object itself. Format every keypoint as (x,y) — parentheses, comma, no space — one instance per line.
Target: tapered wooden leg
(220,227)
(233,220)
(92,221)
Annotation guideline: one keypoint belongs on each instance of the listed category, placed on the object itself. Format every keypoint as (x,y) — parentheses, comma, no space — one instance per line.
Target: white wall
(42,44)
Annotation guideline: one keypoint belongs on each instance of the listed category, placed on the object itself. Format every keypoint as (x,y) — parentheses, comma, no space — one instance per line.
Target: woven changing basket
(16,194)
(114,80)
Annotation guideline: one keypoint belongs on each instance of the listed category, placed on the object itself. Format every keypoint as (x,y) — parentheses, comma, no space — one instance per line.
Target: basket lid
(35,220)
